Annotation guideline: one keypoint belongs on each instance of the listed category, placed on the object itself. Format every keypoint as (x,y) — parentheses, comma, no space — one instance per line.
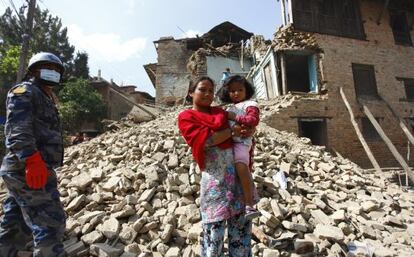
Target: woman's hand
(231,116)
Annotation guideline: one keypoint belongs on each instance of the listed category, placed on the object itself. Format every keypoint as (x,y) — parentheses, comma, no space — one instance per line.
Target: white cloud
(191,33)
(108,47)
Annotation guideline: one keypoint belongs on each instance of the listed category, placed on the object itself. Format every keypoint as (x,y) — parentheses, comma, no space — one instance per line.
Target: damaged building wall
(217,64)
(172,77)
(389,61)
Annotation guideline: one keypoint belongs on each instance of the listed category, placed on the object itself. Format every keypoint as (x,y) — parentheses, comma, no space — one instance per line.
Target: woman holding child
(206,130)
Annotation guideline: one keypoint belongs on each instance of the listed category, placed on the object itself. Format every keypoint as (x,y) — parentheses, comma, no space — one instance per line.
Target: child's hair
(193,86)
(224,95)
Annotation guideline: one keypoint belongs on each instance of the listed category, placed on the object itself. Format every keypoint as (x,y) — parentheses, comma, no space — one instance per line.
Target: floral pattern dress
(221,194)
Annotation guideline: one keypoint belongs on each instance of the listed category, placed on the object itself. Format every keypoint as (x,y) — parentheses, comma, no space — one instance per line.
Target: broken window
(409,89)
(314,129)
(368,130)
(334,17)
(400,28)
(364,81)
(301,73)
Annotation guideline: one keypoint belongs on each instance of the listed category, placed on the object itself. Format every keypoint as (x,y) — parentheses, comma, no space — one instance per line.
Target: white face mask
(50,75)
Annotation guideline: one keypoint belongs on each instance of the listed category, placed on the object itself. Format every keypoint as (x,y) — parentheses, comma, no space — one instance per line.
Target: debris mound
(134,191)
(287,38)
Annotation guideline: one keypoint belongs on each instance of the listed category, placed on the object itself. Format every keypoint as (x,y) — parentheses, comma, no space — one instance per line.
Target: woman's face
(203,94)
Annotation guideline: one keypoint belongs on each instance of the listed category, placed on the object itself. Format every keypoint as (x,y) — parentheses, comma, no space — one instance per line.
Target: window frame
(367,128)
(341,20)
(408,41)
(359,90)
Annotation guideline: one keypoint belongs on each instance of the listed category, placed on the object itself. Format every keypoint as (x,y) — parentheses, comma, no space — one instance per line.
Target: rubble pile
(287,38)
(197,63)
(273,106)
(135,192)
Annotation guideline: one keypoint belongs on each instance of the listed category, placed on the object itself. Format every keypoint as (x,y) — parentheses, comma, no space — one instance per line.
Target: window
(364,81)
(400,28)
(334,17)
(315,129)
(368,130)
(409,89)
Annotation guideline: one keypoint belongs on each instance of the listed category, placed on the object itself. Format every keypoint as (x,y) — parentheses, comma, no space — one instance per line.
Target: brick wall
(390,61)
(172,77)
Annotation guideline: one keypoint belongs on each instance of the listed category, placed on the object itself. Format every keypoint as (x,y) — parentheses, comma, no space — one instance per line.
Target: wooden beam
(290,11)
(284,74)
(283,9)
(359,134)
(388,142)
(403,126)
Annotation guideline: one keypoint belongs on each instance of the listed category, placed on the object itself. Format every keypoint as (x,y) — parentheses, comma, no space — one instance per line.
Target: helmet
(44,57)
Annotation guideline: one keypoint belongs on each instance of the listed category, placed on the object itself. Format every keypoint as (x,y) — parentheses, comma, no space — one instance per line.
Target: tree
(9,64)
(80,103)
(49,35)
(80,66)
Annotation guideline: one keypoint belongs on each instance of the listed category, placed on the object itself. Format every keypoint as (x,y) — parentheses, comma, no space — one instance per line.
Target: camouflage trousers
(36,215)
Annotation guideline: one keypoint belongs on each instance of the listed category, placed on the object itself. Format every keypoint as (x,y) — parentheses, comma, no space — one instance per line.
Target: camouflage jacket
(32,125)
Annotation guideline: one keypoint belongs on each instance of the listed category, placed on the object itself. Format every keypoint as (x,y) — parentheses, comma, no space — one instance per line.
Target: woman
(206,131)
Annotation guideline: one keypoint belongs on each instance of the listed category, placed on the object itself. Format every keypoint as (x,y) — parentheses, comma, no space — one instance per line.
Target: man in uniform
(32,208)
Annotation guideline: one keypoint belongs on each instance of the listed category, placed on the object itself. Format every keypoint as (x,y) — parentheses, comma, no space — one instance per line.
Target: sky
(118,35)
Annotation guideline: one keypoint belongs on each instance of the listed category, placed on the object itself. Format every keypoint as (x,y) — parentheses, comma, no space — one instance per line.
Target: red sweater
(197,126)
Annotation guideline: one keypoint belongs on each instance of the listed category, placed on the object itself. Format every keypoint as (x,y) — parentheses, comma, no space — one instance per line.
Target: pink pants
(241,153)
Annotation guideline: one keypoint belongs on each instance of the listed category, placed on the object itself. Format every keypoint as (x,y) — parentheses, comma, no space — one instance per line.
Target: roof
(226,32)
(144,94)
(151,69)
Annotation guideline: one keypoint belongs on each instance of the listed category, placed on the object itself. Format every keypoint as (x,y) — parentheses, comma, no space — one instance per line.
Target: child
(238,90)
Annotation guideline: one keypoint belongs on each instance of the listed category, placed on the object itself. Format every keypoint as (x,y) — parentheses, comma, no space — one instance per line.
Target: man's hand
(36,171)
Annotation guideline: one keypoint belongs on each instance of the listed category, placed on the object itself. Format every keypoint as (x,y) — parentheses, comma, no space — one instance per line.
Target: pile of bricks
(134,191)
(287,38)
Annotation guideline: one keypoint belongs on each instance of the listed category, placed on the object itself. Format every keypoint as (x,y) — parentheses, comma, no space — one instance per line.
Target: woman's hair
(224,95)
(193,86)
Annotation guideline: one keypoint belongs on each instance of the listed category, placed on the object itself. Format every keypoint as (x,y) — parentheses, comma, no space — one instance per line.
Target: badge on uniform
(19,90)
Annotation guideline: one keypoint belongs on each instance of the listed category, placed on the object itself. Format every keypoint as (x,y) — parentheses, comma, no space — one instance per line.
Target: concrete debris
(146,202)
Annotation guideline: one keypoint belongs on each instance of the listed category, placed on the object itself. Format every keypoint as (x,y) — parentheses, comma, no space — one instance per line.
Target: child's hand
(231,115)
(247,131)
(236,129)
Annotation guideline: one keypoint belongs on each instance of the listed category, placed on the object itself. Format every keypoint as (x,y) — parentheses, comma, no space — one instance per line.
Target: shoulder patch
(19,90)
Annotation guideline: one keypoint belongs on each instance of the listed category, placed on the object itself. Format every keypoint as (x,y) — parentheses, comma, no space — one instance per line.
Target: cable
(17,13)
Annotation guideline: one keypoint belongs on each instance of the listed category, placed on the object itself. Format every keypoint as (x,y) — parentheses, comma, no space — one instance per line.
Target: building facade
(364,47)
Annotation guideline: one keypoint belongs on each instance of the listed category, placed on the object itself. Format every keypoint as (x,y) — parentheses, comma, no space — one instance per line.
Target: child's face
(203,94)
(237,92)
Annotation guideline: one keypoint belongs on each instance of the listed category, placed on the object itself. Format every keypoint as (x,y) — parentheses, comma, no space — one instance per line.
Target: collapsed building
(363,47)
(210,54)
(121,102)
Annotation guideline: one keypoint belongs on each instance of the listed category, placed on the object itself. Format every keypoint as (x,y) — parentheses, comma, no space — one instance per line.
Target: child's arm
(251,118)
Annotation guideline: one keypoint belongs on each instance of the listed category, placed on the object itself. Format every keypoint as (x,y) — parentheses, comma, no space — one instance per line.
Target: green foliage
(80,66)
(9,63)
(80,103)
(48,35)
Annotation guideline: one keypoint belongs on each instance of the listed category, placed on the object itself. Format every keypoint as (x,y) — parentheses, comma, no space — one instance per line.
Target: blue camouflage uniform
(32,125)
